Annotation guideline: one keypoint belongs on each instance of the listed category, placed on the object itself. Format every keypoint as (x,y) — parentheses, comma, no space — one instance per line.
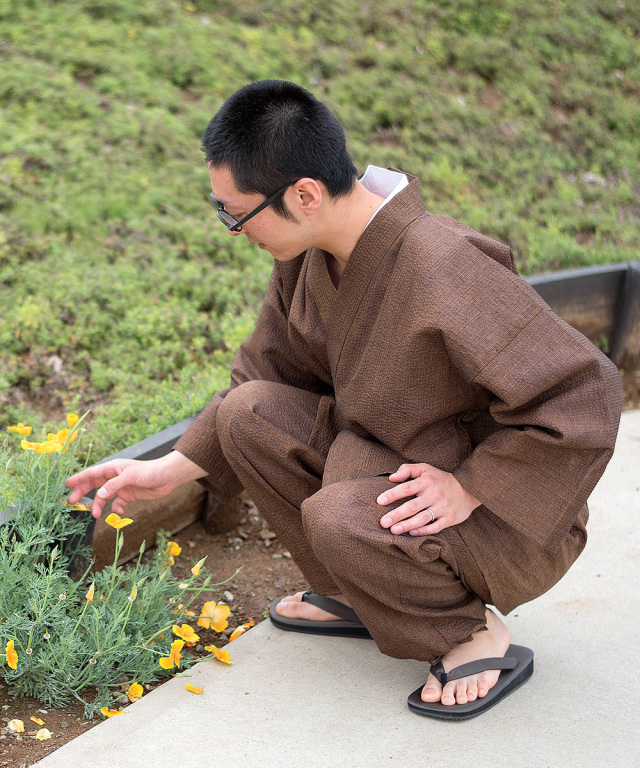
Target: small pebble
(287,554)
(266,534)
(236,543)
(199,648)
(64,724)
(228,596)
(276,556)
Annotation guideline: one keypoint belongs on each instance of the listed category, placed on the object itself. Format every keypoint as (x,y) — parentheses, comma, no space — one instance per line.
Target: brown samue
(432,350)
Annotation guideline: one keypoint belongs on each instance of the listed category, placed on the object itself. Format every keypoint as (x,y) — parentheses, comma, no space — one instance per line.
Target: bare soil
(267,571)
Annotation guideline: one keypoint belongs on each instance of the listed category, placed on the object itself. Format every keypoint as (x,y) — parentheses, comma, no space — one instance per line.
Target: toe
(432,690)
(461,691)
(472,689)
(448,694)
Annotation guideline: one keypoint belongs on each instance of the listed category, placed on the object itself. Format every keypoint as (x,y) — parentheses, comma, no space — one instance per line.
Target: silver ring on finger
(433,515)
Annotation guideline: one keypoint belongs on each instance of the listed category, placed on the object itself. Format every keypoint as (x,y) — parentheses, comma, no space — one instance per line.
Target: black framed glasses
(231,223)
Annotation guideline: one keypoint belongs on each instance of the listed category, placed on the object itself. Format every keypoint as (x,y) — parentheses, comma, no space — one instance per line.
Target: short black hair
(273,132)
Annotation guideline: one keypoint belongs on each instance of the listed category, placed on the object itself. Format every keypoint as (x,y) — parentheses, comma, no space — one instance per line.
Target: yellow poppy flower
(17,726)
(48,446)
(72,420)
(219,654)
(79,507)
(117,522)
(43,734)
(193,689)
(173,659)
(12,655)
(186,633)
(241,630)
(36,720)
(172,550)
(111,712)
(214,616)
(21,429)
(135,692)
(196,568)
(89,596)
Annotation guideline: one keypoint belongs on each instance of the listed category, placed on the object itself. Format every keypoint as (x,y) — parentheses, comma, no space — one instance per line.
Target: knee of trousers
(342,520)
(235,413)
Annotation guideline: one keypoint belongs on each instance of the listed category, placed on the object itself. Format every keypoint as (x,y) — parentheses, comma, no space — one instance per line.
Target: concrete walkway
(292,700)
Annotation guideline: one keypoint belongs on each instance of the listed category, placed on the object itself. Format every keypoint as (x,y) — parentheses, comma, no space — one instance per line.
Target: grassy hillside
(121,290)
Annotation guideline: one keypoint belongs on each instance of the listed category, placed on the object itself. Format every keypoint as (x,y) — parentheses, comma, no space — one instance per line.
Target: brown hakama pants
(418,596)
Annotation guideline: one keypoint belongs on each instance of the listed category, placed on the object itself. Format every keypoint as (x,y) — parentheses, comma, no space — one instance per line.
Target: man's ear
(306,196)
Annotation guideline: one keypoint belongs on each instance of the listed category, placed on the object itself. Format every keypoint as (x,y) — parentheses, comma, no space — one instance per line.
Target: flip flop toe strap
(330,605)
(472,668)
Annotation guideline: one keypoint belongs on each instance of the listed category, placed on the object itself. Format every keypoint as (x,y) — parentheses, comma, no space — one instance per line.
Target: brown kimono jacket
(435,351)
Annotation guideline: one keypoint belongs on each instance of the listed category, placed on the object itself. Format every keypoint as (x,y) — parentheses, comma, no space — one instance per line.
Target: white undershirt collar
(382,181)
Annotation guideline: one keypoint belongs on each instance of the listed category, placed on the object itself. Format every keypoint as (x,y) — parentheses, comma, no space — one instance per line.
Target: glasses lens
(226,218)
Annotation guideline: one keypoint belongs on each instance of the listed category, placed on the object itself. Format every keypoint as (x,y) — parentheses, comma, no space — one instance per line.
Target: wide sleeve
(555,399)
(268,355)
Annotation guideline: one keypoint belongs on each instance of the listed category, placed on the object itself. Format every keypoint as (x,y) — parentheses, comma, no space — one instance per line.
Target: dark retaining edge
(599,302)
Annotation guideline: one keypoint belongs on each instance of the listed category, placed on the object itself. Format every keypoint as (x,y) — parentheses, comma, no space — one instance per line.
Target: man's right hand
(125,480)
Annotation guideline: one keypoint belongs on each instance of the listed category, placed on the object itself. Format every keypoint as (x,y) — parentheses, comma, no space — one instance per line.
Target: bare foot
(494,641)
(293,607)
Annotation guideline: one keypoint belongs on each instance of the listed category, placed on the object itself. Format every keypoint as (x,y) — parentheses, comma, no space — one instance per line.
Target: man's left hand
(432,489)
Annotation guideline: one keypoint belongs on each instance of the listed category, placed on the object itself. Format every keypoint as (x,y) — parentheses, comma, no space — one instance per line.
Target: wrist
(179,469)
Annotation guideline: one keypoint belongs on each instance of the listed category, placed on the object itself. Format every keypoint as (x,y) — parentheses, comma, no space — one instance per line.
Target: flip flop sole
(509,681)
(338,628)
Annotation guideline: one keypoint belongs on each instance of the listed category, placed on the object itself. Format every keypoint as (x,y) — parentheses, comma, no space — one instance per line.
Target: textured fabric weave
(434,350)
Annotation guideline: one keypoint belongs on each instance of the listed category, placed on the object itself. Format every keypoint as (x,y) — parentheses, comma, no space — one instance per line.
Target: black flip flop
(516,666)
(349,625)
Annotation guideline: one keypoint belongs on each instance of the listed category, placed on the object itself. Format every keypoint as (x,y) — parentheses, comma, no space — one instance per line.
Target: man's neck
(345,221)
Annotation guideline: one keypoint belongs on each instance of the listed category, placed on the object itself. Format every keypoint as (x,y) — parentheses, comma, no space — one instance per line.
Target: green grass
(521,119)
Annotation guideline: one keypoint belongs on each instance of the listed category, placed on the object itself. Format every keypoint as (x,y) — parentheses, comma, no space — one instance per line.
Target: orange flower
(173,659)
(12,655)
(21,429)
(214,616)
(135,692)
(37,720)
(49,446)
(79,507)
(111,712)
(241,630)
(196,568)
(89,596)
(193,689)
(61,437)
(117,522)
(219,654)
(172,550)
(72,420)
(186,633)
